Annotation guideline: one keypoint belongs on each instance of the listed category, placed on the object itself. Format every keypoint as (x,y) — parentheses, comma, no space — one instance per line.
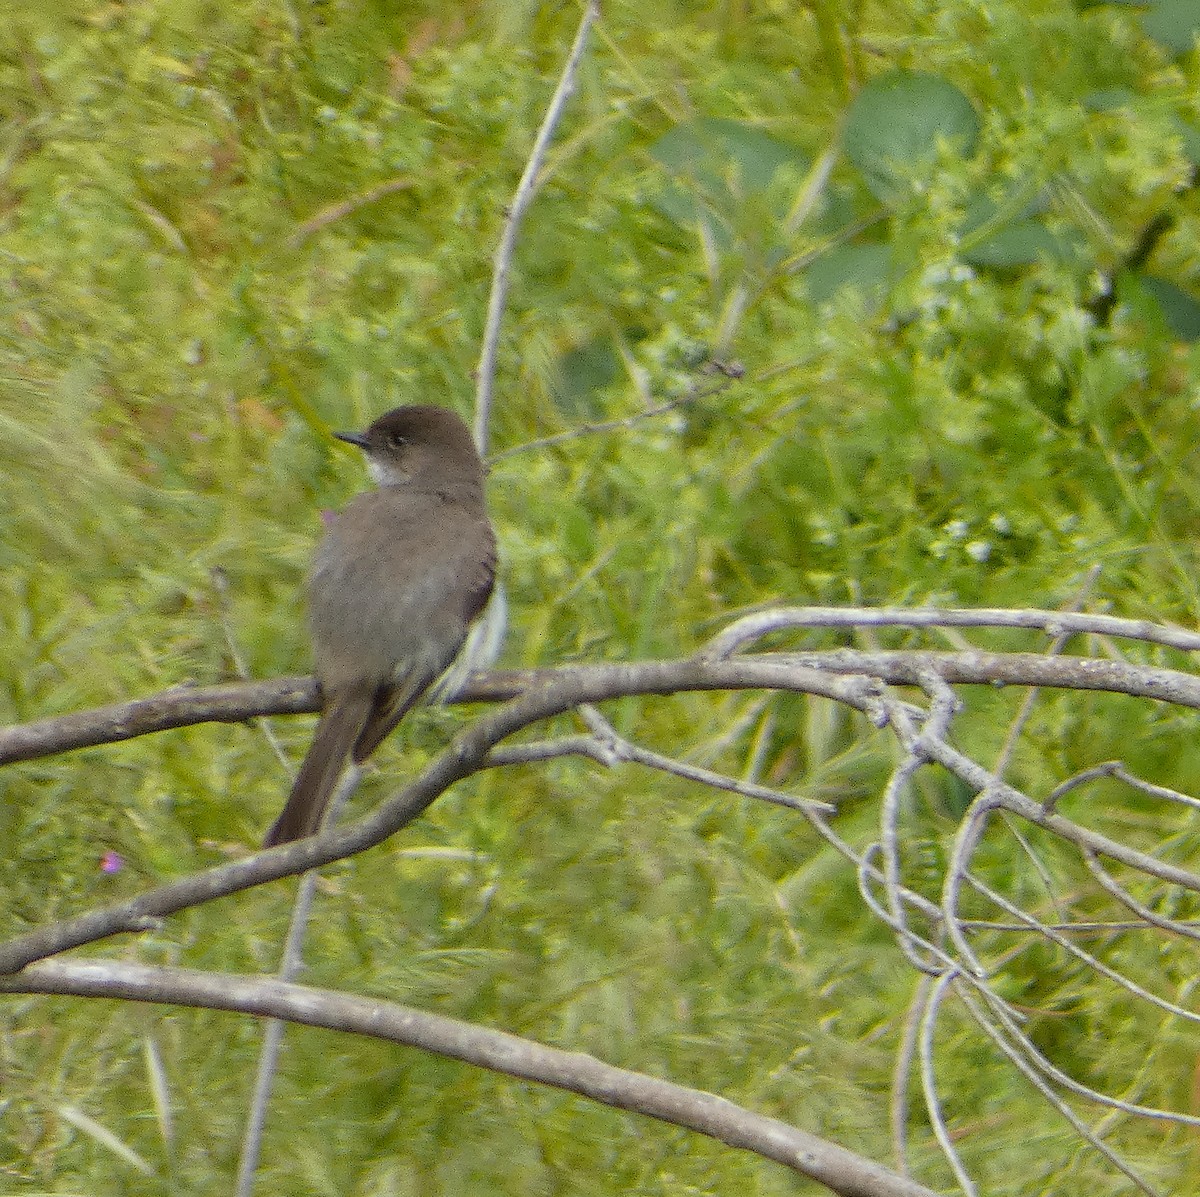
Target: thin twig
(615,751)
(335,212)
(220,580)
(1126,899)
(1093,963)
(933,1105)
(1031,1074)
(1120,771)
(894,793)
(902,1070)
(1085,927)
(1039,1065)
(291,961)
(615,425)
(626,750)
(485,371)
(1016,727)
(1012,799)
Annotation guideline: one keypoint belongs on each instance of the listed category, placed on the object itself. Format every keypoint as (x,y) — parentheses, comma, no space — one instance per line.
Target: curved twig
(840,1170)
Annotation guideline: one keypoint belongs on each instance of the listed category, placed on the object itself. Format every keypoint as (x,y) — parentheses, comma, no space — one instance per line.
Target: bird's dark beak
(352,438)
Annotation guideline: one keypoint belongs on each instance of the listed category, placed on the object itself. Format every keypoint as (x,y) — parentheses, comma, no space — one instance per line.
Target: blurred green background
(225,230)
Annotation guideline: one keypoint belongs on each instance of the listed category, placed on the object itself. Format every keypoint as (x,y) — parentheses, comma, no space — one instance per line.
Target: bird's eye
(397,441)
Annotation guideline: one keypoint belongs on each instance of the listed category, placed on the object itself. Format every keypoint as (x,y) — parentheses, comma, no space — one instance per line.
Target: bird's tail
(344,717)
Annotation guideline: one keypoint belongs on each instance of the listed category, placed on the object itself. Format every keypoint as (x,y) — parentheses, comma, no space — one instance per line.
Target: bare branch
(902,1071)
(1099,967)
(1117,769)
(929,1020)
(889,818)
(899,668)
(530,752)
(952,952)
(236,702)
(1122,895)
(291,961)
(1053,623)
(841,1171)
(485,372)
(1031,1074)
(1013,800)
(182,706)
(614,748)
(465,755)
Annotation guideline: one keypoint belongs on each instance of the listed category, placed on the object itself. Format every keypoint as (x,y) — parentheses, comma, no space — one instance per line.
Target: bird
(399,578)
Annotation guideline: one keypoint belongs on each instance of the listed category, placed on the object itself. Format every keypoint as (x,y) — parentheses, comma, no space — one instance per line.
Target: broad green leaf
(866,268)
(1180,310)
(994,237)
(581,372)
(719,170)
(897,124)
(1174,24)
(725,155)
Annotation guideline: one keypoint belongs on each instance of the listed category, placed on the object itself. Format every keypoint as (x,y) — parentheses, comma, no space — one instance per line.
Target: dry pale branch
(531,179)
(182,706)
(1007,1043)
(963,956)
(899,668)
(465,755)
(1053,623)
(607,747)
(839,1170)
(237,702)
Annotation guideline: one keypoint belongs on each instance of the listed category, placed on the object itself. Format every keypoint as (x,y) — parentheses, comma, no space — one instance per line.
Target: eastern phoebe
(398,579)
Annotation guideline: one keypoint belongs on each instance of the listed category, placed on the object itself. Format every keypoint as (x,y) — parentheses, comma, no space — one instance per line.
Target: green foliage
(896,125)
(899,218)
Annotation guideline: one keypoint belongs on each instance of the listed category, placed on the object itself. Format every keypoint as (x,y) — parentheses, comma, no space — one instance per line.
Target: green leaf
(1190,135)
(582,372)
(725,156)
(1106,99)
(867,268)
(897,124)
(1174,24)
(1004,240)
(1180,310)
(720,171)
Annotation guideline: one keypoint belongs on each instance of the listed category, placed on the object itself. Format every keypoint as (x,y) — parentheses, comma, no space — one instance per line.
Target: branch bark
(466,754)
(531,180)
(236,702)
(940,941)
(841,1171)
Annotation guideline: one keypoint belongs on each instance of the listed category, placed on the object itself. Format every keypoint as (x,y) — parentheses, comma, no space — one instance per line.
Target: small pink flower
(111,862)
